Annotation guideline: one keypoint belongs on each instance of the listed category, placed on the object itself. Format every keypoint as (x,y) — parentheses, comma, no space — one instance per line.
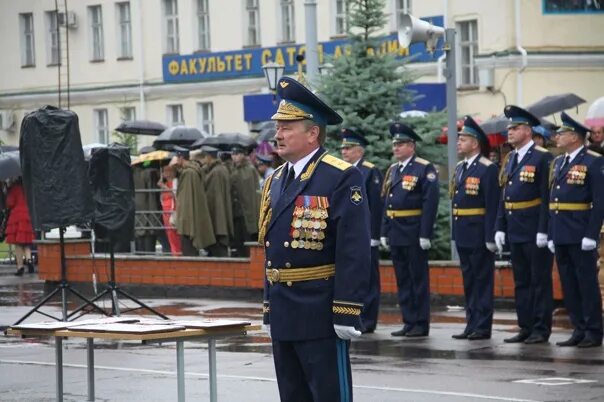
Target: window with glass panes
(288,31)
(342,12)
(175,117)
(28,55)
(101,125)
(205,112)
(172,44)
(96,32)
(125,30)
(203,25)
(468,47)
(253,22)
(402,7)
(128,113)
(53,49)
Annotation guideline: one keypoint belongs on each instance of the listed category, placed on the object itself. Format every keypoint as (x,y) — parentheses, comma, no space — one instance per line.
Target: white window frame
(203,25)
(464,45)
(339,17)
(53,48)
(174,115)
(205,117)
(101,125)
(127,113)
(123,18)
(28,46)
(287,18)
(171,27)
(401,7)
(252,12)
(97,45)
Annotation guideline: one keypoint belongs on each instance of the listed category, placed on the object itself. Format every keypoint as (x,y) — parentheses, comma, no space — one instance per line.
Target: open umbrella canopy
(141,127)
(554,104)
(267,134)
(10,165)
(179,135)
(146,149)
(595,113)
(152,157)
(225,141)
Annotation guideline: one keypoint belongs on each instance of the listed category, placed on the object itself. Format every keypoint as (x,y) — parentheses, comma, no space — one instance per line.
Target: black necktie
(464,169)
(290,177)
(514,161)
(566,163)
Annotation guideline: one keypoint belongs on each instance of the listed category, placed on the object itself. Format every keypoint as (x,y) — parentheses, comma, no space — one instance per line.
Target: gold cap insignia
(284,84)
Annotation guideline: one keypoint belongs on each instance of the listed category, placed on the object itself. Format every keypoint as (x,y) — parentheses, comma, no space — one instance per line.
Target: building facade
(198,62)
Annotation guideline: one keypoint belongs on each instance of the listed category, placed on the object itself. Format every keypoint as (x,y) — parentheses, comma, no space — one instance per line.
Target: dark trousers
(369,315)
(316,370)
(579,276)
(145,243)
(220,248)
(188,249)
(533,287)
(239,237)
(477,268)
(413,283)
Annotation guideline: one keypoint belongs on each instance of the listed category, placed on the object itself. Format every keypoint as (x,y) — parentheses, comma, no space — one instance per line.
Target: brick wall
(245,273)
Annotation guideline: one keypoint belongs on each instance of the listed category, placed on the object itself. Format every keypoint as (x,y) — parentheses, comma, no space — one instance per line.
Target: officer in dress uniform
(576,206)
(353,150)
(410,194)
(313,224)
(522,221)
(475,196)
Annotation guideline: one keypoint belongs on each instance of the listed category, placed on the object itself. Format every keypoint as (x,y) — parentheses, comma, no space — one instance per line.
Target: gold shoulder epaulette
(368,164)
(485,161)
(541,149)
(421,161)
(593,153)
(336,162)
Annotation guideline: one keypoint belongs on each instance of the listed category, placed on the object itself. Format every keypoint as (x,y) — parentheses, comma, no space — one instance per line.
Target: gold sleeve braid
(552,168)
(502,176)
(266,211)
(387,181)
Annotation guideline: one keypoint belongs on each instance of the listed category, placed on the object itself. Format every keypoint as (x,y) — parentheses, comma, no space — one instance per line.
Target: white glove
(541,240)
(550,245)
(492,247)
(500,240)
(424,243)
(384,241)
(588,244)
(267,328)
(375,243)
(345,332)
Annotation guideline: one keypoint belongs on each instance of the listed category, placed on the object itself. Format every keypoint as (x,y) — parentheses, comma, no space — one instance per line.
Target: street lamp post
(273,73)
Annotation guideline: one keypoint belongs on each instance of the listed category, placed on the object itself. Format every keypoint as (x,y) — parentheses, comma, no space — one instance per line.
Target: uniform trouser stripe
(342,370)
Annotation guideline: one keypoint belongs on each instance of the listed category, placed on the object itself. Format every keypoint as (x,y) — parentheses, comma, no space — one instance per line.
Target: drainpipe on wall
(141,63)
(440,61)
(523,53)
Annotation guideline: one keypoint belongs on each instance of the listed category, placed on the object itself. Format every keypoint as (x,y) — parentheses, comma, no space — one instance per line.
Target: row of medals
(576,177)
(308,225)
(528,177)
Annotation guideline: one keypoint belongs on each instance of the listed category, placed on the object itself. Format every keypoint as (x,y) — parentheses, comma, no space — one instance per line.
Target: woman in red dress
(19,231)
(168,205)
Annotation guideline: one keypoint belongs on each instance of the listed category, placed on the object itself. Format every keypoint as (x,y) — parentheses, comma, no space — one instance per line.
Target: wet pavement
(436,368)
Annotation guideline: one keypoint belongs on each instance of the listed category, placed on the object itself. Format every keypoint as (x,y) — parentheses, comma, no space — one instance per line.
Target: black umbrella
(554,104)
(179,135)
(267,132)
(141,127)
(10,165)
(146,149)
(225,141)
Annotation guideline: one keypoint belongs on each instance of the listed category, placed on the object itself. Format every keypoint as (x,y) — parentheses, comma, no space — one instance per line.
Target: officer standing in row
(410,194)
(353,151)
(576,206)
(475,196)
(313,224)
(522,221)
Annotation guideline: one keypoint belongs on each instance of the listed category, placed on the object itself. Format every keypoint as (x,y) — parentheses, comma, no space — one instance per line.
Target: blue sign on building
(246,63)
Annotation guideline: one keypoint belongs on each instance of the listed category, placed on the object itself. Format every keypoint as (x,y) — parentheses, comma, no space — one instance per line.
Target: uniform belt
(523,204)
(402,213)
(300,274)
(570,206)
(469,211)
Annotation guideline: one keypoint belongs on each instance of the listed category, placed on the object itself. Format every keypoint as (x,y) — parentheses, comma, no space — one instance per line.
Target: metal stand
(64,287)
(113,291)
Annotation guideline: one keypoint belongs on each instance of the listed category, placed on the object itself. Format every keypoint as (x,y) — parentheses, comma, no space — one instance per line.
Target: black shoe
(535,338)
(30,266)
(416,333)
(477,336)
(589,343)
(463,335)
(572,341)
(401,332)
(519,337)
(368,331)
(20,271)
